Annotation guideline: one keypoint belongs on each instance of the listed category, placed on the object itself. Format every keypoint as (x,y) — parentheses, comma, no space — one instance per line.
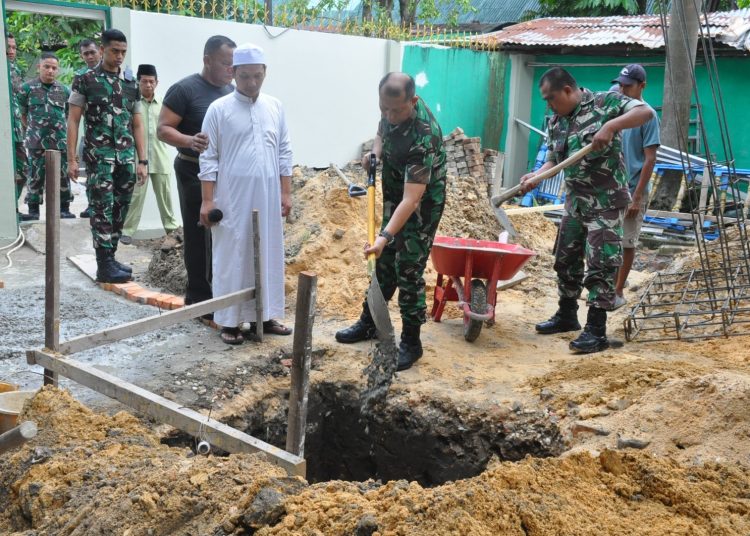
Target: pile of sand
(93,474)
(329,230)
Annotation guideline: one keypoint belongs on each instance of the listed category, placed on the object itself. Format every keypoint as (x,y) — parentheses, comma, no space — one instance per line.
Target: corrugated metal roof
(494,12)
(729,27)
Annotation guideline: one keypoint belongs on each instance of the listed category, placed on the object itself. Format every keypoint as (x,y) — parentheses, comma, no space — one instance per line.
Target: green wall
(733,76)
(464,88)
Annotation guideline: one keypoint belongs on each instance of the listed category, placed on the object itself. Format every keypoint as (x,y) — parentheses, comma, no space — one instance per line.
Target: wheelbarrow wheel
(478,304)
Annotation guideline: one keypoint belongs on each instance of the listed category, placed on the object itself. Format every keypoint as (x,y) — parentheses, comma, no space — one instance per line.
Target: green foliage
(429,10)
(35,33)
(587,8)
(743,4)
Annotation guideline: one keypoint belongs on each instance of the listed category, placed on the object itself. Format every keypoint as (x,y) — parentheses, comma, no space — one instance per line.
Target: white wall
(8,223)
(327,82)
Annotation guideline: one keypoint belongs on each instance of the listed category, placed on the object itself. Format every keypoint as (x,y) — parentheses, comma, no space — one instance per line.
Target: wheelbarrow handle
(354,189)
(551,172)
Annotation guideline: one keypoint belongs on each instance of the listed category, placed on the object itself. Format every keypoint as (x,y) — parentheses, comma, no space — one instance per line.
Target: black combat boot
(33,214)
(65,213)
(362,330)
(106,269)
(594,336)
(124,267)
(565,319)
(410,348)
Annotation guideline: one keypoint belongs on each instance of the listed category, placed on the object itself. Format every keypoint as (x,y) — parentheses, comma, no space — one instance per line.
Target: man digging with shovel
(410,144)
(596,199)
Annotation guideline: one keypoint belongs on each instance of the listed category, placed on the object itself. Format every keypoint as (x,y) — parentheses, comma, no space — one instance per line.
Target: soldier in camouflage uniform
(110,100)
(410,143)
(44,103)
(596,198)
(16,80)
(89,53)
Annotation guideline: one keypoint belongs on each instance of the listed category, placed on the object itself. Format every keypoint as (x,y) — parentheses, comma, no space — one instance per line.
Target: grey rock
(517,406)
(632,443)
(169,395)
(266,509)
(620,404)
(587,428)
(338,234)
(546,394)
(34,488)
(366,526)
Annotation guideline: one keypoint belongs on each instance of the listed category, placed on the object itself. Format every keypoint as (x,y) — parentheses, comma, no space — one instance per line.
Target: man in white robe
(247,166)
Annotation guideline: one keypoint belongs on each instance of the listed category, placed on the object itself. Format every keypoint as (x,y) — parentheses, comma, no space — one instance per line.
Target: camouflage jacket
(108,101)
(16,81)
(599,181)
(413,152)
(45,107)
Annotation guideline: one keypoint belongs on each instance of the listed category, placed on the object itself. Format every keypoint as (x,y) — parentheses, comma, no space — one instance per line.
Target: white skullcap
(248,54)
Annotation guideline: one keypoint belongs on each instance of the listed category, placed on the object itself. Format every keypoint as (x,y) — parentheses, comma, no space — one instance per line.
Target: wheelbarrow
(475,261)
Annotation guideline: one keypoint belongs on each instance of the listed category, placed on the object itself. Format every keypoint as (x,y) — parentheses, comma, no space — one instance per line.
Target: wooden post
(52,266)
(301,357)
(258,282)
(15,437)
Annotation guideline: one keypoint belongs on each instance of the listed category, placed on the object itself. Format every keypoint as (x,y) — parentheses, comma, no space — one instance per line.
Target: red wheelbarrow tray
(449,257)
(454,258)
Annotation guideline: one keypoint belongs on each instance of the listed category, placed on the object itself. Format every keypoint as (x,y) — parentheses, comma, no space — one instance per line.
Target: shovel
(385,357)
(551,172)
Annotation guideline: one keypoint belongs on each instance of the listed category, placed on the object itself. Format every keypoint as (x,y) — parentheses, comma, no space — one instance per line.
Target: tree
(36,33)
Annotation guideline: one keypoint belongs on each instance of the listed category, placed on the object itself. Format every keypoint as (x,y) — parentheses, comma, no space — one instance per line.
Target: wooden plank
(520,277)
(52,259)
(258,282)
(189,421)
(301,356)
(531,210)
(86,264)
(15,437)
(151,323)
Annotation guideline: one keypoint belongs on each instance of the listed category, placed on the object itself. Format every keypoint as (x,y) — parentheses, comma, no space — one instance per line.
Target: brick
(162,301)
(145,296)
(2,283)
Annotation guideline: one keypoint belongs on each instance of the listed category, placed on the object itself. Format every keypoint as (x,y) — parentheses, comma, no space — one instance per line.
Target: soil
(92,474)
(510,434)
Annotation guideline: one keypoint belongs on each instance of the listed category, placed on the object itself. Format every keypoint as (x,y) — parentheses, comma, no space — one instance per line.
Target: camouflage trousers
(110,188)
(21,168)
(597,236)
(401,265)
(38,178)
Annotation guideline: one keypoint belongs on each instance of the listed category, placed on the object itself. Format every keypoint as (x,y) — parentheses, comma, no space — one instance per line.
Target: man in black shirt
(180,121)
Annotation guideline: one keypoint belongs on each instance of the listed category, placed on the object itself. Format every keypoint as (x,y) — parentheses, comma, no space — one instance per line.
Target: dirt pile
(612,494)
(329,229)
(87,473)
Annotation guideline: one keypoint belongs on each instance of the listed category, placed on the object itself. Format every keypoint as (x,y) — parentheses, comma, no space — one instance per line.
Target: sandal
(231,336)
(274,327)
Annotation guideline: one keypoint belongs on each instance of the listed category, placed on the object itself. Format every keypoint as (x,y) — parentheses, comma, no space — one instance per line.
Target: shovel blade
(379,311)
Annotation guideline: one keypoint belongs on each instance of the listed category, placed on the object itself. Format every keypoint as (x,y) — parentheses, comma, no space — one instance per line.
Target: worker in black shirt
(180,121)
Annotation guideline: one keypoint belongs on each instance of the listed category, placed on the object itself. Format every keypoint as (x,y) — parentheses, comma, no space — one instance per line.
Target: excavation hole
(432,443)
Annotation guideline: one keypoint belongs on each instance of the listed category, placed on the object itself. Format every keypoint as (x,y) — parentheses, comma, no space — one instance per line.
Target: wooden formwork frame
(56,361)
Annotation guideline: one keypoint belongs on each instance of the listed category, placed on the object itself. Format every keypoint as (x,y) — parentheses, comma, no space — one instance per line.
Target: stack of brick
(490,164)
(465,157)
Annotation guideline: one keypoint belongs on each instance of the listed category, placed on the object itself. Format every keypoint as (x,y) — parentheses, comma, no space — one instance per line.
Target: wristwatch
(388,237)
(144,162)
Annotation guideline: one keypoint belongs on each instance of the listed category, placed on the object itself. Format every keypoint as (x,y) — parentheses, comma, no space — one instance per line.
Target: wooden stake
(15,437)
(217,433)
(52,261)
(301,357)
(258,279)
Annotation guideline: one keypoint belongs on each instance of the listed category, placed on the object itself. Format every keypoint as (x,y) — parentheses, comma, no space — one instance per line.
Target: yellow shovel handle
(371,227)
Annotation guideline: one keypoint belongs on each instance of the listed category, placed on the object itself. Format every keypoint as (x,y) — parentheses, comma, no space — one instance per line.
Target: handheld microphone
(215,215)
